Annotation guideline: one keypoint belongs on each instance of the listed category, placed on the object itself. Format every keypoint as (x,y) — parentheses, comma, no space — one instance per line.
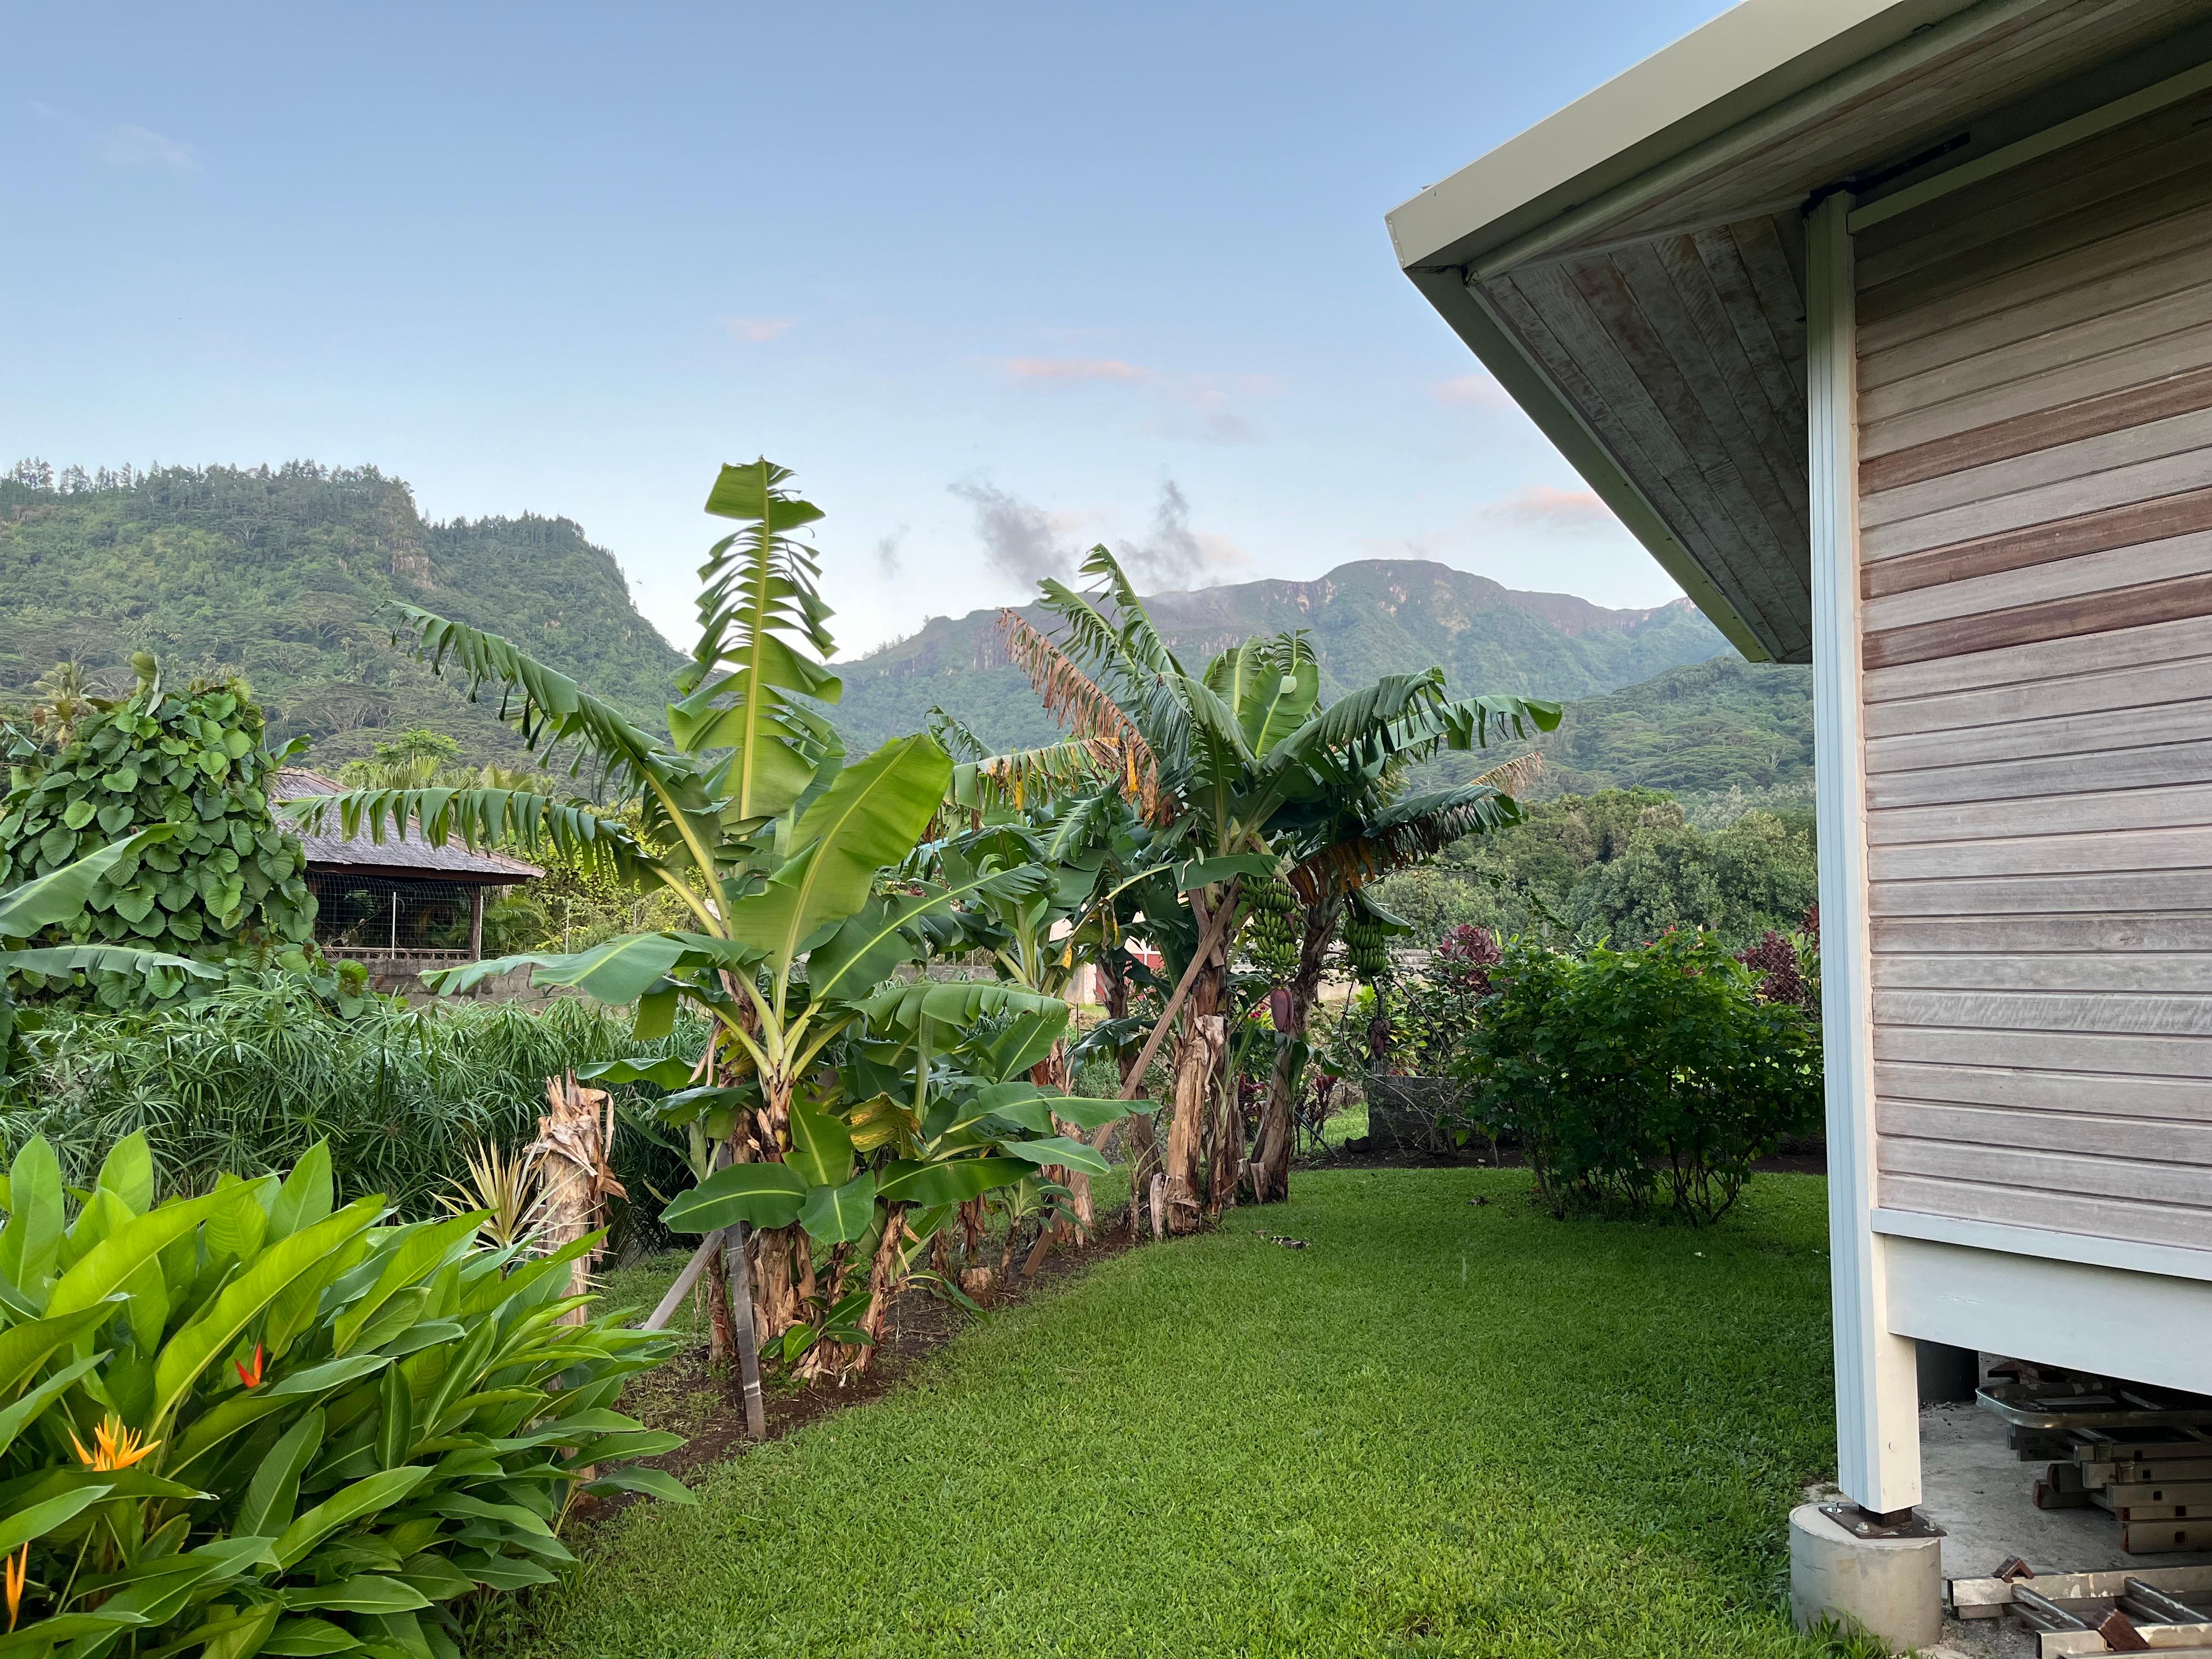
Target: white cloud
(1472,391)
(138,147)
(757,330)
(1568,512)
(1069,371)
(1204,406)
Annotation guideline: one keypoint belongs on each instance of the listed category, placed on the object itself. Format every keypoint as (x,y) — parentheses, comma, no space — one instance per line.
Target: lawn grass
(1443,1428)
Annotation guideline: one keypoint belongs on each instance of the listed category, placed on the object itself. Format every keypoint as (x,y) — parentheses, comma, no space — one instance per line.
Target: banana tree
(750,816)
(1214,759)
(929,1107)
(1039,936)
(1358,832)
(59,897)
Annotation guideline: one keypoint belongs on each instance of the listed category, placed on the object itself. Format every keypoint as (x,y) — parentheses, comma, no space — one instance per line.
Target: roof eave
(1746,61)
(1531,388)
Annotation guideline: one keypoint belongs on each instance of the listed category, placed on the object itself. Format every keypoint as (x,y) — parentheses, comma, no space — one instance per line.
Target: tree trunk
(575,1139)
(1198,1063)
(883,1283)
(1272,1147)
(1201,1048)
(782,1261)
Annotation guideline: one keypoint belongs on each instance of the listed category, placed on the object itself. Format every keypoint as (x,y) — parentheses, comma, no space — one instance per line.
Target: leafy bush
(250,1079)
(1620,1072)
(252,1422)
(224,885)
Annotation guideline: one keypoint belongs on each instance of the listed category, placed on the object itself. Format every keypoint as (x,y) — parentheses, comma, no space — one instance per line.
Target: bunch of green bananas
(1362,938)
(1275,930)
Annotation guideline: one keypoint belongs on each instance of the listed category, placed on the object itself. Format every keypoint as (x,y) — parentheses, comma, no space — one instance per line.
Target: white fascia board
(1747,60)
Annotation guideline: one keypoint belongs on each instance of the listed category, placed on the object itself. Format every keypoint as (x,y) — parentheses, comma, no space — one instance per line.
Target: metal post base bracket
(1872,1523)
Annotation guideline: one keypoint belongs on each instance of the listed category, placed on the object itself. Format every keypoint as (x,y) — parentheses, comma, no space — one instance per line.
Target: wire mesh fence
(357,914)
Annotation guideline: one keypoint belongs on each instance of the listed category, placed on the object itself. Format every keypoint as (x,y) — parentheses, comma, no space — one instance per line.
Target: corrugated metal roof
(395,856)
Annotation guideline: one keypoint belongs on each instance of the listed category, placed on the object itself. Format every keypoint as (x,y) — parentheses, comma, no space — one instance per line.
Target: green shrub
(226,886)
(1625,1073)
(252,1422)
(248,1079)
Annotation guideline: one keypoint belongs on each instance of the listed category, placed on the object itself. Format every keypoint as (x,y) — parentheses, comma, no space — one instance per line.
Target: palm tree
(1213,761)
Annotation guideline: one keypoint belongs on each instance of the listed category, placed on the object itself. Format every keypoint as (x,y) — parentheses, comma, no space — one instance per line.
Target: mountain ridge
(1366,617)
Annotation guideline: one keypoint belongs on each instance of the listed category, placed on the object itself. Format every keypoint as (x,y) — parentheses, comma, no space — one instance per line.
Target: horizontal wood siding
(2035,491)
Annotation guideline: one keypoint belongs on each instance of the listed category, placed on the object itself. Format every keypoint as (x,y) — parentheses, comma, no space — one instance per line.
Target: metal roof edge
(1745,61)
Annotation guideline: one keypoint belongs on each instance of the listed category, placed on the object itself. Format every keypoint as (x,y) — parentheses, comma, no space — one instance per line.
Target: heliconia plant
(255,1422)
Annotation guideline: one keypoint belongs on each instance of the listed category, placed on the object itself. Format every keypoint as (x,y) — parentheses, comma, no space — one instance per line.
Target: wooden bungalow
(1887,328)
(402,906)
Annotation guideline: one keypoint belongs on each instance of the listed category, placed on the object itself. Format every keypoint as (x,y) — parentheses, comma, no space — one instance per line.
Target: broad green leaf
(274,1492)
(838,1215)
(1204,873)
(669,1074)
(418,1254)
(13,1420)
(868,819)
(370,1592)
(192,1349)
(1057,1149)
(24,1348)
(33,1236)
(39,1519)
(240,1230)
(39,1638)
(764,1194)
(395,1428)
(331,1374)
(305,1198)
(953,1182)
(161,1598)
(821,1147)
(656,1014)
(311,1638)
(127,1172)
(380,1491)
(62,895)
(138,1242)
(657,1483)
(505,1572)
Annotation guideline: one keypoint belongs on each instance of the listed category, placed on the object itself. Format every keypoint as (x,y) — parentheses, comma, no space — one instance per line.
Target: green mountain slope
(1700,730)
(289,574)
(1369,618)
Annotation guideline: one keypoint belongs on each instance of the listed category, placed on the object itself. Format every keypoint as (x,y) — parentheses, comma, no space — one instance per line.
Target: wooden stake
(740,1277)
(658,1318)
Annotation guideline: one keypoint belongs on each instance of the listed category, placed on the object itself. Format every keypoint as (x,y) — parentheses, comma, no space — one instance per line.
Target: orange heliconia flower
(115,1446)
(18,1569)
(251,1378)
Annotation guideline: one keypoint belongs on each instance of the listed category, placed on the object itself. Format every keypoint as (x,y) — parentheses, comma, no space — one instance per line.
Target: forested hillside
(1366,619)
(289,576)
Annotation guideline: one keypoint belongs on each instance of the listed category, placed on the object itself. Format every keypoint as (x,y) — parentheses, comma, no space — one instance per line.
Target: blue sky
(997,281)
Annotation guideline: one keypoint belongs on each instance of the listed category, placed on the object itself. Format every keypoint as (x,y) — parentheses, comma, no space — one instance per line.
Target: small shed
(1887,328)
(402,906)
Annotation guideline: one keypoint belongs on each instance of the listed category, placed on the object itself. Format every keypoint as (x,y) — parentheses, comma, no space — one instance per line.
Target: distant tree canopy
(1624,864)
(289,576)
